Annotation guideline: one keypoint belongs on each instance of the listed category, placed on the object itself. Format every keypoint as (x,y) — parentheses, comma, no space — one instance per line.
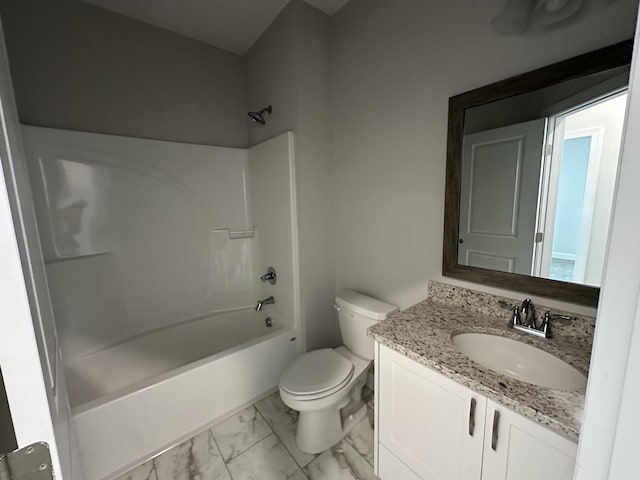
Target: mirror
(531,169)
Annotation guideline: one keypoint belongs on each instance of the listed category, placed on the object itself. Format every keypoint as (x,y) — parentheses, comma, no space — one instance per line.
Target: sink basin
(520,361)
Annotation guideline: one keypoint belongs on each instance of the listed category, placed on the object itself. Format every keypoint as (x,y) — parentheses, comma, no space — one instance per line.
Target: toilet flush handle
(335,305)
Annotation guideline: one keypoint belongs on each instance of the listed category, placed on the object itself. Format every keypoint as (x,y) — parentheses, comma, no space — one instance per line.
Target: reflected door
(499,197)
(580,190)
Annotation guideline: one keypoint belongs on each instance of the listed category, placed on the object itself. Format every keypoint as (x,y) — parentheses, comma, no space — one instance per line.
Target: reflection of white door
(29,358)
(579,190)
(499,198)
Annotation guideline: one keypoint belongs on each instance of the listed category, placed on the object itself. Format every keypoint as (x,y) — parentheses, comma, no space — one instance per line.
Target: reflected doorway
(579,188)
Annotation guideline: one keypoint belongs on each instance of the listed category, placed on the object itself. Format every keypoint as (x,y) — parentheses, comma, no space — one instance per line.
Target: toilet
(325,385)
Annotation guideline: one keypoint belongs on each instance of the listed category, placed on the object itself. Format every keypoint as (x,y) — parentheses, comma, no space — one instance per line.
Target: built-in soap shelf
(49,261)
(236,234)
(221,233)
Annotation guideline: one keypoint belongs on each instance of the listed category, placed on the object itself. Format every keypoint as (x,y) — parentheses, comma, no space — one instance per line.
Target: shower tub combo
(154,252)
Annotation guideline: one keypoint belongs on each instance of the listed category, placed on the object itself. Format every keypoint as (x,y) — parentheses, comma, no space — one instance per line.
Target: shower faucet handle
(271,276)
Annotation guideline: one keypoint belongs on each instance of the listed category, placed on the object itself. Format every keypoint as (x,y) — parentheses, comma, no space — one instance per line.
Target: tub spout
(266,301)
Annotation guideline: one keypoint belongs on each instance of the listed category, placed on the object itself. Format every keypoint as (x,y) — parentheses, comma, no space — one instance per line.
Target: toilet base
(322,429)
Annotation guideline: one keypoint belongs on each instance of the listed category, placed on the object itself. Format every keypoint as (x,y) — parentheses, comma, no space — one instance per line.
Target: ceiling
(232,25)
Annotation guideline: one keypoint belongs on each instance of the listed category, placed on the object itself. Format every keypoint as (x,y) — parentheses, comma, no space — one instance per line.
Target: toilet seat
(316,374)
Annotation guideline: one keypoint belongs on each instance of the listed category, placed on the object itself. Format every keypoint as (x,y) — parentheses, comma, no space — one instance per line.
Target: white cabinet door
(516,448)
(431,423)
(392,468)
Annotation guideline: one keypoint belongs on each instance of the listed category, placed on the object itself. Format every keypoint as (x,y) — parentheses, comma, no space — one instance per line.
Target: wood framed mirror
(526,206)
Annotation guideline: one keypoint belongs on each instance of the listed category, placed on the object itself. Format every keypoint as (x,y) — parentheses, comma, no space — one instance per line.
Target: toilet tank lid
(364,305)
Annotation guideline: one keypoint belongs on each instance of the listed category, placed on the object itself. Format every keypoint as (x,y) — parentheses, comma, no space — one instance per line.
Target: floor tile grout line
(155,467)
(149,477)
(279,443)
(315,459)
(351,468)
(286,449)
(284,446)
(263,415)
(292,457)
(250,446)
(347,437)
(215,442)
(359,454)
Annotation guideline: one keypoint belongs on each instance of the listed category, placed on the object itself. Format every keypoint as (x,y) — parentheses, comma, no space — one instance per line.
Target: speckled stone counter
(423,333)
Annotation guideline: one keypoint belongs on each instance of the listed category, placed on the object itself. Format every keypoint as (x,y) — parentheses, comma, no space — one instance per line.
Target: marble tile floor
(259,443)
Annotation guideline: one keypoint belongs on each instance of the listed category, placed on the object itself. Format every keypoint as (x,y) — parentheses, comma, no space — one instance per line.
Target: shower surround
(153,252)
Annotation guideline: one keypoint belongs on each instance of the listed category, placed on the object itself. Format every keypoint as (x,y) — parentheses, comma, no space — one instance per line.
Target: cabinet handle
(472,416)
(494,432)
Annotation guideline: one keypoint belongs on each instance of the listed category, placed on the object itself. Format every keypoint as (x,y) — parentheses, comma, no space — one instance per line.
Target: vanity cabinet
(430,427)
(524,450)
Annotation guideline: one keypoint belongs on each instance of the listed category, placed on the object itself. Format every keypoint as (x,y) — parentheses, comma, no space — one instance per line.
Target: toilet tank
(356,313)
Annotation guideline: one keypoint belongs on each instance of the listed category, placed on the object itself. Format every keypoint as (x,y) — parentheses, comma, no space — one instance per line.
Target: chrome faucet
(266,301)
(528,314)
(523,319)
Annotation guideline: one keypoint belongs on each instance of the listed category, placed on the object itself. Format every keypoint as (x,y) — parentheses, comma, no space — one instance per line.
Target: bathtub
(134,400)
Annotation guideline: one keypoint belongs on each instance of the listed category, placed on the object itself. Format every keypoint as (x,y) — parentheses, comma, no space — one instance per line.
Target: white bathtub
(136,399)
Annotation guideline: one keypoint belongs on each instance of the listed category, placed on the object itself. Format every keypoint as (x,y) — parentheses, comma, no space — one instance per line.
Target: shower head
(258,117)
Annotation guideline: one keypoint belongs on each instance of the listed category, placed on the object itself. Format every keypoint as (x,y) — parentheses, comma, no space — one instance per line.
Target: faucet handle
(515,318)
(546,322)
(271,276)
(555,316)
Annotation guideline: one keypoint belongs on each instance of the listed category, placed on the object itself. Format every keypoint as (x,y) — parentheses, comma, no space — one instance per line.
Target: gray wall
(395,64)
(271,76)
(315,173)
(76,66)
(289,67)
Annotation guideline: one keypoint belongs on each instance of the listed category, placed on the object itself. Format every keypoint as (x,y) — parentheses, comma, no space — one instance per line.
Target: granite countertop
(423,333)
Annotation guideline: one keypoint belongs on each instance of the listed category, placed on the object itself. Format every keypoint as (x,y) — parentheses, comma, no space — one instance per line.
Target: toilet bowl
(324,417)
(325,386)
